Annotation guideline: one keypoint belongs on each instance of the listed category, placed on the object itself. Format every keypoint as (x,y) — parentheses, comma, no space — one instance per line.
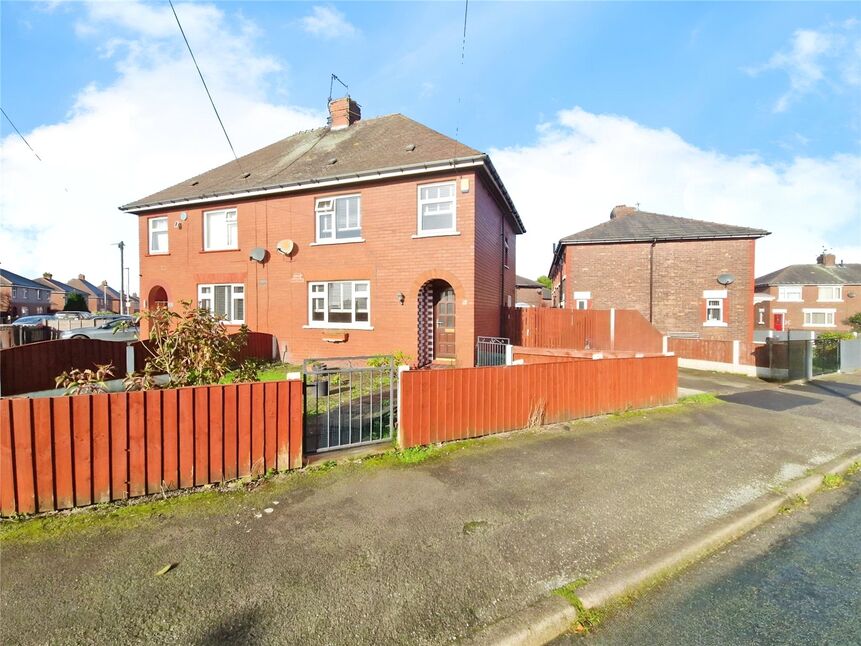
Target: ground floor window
(342,303)
(714,309)
(227,301)
(819,318)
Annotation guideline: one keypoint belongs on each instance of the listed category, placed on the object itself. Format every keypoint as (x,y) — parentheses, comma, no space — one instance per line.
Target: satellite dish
(285,247)
(726,279)
(258,254)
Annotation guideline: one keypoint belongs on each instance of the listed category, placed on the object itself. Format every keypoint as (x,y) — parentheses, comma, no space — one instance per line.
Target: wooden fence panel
(62,452)
(506,398)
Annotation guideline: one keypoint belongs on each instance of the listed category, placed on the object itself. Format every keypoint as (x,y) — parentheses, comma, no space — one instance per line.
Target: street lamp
(121,245)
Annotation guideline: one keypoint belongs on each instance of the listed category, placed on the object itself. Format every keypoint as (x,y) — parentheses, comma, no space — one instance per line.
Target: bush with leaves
(248,371)
(855,321)
(85,382)
(134,381)
(75,302)
(393,361)
(192,347)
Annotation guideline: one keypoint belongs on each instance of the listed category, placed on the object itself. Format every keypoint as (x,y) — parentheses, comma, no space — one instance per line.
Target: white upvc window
(220,230)
(830,293)
(339,304)
(789,293)
(437,209)
(23,292)
(339,219)
(761,319)
(158,242)
(819,317)
(226,301)
(581,300)
(715,307)
(14,292)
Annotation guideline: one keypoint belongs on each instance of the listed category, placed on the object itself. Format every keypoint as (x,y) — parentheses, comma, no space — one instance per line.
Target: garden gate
(349,401)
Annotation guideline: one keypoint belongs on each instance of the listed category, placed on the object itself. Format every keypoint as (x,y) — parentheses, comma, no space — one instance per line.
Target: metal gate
(349,401)
(826,355)
(491,350)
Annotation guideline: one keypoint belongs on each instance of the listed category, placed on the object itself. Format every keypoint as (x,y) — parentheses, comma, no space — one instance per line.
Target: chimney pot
(343,113)
(81,277)
(48,275)
(621,210)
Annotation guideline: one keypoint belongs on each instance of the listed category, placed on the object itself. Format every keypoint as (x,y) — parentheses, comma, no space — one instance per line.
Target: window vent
(246,176)
(332,161)
(195,183)
(410,147)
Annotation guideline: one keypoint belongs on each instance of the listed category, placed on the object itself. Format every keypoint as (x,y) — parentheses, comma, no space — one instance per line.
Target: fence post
(612,328)
(401,370)
(509,354)
(735,352)
(664,344)
(808,360)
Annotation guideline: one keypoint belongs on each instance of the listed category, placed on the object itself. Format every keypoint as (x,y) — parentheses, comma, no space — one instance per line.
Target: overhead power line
(462,59)
(218,116)
(19,134)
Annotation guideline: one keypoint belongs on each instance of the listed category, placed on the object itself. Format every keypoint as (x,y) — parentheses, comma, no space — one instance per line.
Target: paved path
(794,581)
(427,553)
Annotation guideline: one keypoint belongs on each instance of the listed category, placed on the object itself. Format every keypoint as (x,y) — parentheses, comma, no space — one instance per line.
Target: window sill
(715,324)
(157,253)
(833,301)
(436,235)
(818,325)
(789,300)
(325,243)
(338,327)
(219,250)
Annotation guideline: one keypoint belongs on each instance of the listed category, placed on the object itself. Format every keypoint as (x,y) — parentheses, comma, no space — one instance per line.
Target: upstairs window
(831,293)
(339,304)
(226,301)
(789,293)
(437,209)
(339,219)
(220,230)
(157,235)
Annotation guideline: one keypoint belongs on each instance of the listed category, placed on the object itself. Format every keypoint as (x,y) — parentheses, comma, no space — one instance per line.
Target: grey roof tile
(642,226)
(813,274)
(19,281)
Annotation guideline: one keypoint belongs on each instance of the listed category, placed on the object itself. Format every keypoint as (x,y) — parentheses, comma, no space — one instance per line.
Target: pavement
(794,581)
(428,553)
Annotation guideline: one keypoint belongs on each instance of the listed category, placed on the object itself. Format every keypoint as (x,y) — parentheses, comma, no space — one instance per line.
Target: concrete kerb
(552,616)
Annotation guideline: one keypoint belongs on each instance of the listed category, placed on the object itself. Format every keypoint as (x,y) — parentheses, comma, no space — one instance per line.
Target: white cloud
(327,22)
(149,128)
(829,55)
(583,164)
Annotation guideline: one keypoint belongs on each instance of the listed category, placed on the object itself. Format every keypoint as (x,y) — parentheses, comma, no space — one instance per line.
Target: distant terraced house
(815,297)
(21,296)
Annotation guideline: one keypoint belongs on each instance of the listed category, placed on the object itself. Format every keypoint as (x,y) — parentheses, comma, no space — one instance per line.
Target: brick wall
(391,258)
(617,275)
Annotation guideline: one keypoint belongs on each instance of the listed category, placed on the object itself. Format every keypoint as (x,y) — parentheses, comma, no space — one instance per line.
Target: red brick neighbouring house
(814,297)
(531,293)
(361,237)
(688,277)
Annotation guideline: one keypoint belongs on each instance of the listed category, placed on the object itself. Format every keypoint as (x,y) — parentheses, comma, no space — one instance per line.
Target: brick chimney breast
(621,211)
(343,113)
(826,259)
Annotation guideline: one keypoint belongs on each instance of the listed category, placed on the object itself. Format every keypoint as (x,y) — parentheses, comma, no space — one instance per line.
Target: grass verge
(684,403)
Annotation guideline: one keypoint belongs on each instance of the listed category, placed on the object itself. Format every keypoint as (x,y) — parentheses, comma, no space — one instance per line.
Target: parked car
(73,315)
(111,330)
(39,320)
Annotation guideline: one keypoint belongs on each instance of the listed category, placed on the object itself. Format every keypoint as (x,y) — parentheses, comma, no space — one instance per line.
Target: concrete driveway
(421,554)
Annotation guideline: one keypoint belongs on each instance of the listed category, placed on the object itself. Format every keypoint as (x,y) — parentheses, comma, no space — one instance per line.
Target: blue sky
(755,97)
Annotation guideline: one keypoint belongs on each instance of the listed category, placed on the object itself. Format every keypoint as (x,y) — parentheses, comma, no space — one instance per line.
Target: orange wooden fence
(582,329)
(35,366)
(443,405)
(62,452)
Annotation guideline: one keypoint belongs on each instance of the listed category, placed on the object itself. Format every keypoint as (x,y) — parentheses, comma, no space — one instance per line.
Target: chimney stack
(47,275)
(81,277)
(343,113)
(621,211)
(826,259)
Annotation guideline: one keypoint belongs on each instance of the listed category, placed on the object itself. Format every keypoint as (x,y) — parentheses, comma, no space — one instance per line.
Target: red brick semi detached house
(669,268)
(376,236)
